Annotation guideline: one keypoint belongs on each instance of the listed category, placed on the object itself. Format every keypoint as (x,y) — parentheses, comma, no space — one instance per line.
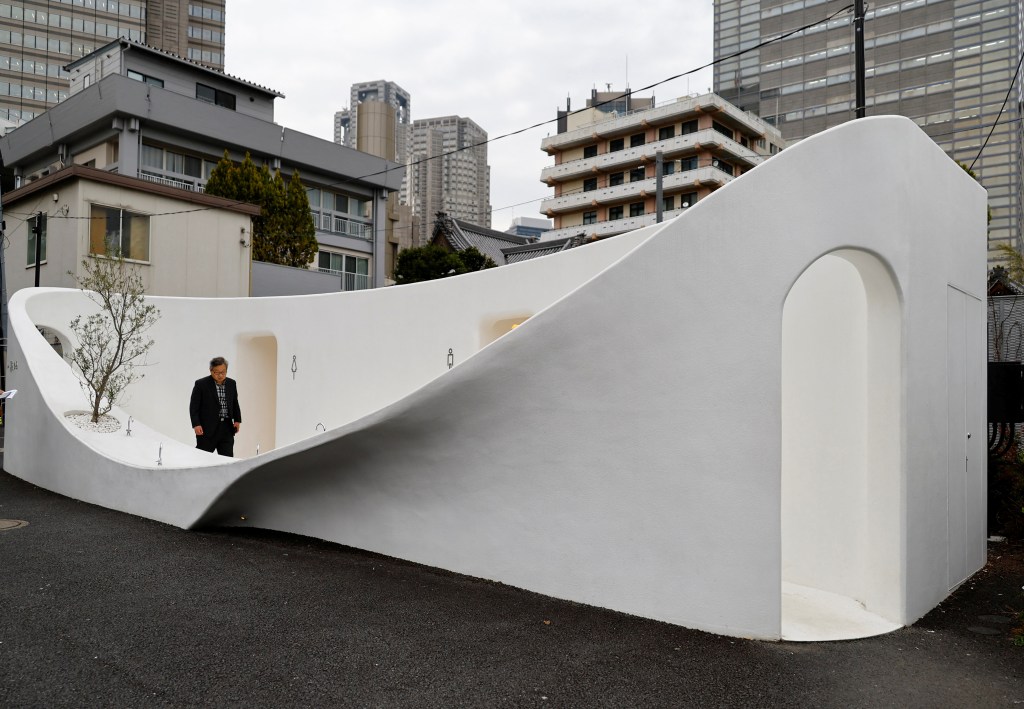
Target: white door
(965,481)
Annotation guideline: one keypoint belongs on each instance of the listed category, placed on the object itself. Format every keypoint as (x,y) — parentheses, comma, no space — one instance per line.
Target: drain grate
(6,524)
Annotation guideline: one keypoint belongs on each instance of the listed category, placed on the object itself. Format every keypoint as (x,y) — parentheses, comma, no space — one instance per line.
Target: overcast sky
(504,64)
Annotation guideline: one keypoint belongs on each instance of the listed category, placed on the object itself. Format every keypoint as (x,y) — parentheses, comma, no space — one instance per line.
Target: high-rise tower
(38,39)
(946,64)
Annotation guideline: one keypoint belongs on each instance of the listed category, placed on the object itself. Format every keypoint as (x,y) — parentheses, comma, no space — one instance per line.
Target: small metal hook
(319,426)
(129,432)
(160,455)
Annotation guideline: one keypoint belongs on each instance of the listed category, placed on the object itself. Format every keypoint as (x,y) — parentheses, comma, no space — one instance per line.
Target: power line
(1009,90)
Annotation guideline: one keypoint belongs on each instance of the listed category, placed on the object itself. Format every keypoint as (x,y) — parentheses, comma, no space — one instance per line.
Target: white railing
(707,176)
(610,227)
(350,281)
(708,103)
(334,224)
(705,139)
(172,181)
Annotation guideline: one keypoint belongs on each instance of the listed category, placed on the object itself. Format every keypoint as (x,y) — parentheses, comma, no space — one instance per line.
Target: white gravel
(106,424)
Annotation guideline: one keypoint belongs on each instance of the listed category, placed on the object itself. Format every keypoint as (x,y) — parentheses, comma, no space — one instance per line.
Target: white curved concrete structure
(750,420)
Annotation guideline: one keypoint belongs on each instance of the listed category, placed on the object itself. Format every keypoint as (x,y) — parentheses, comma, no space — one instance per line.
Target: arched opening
(491,330)
(841,459)
(256,373)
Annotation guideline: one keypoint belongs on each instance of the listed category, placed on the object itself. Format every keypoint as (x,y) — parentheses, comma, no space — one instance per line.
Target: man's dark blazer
(204,408)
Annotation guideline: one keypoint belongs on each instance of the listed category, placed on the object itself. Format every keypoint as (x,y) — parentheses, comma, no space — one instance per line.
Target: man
(216,416)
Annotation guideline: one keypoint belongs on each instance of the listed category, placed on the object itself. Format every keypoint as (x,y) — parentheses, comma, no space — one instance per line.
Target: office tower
(192,30)
(38,39)
(946,64)
(449,172)
(346,121)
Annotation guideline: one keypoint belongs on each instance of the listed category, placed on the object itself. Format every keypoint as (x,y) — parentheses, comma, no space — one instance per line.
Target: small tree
(284,232)
(427,263)
(111,342)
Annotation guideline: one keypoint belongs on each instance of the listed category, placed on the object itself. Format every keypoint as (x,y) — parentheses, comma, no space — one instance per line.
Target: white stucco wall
(624,446)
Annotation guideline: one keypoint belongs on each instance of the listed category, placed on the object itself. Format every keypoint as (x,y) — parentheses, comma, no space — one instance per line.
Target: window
(668,168)
(666,132)
(31,223)
(590,184)
(590,151)
(635,141)
(341,203)
(724,130)
(636,209)
(687,199)
(668,203)
(723,166)
(215,96)
(159,83)
(616,178)
(616,145)
(590,217)
(614,213)
(636,174)
(113,230)
(689,163)
(354,270)
(314,197)
(688,127)
(152,157)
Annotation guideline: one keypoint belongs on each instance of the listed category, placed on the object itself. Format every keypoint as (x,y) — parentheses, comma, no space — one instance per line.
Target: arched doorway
(841,457)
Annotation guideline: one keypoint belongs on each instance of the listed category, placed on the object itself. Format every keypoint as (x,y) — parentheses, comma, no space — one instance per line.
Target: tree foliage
(111,343)
(427,263)
(284,232)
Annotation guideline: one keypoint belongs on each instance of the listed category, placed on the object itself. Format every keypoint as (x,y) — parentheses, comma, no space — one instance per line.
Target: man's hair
(218,361)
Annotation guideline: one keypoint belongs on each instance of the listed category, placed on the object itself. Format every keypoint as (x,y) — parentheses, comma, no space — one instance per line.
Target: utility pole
(37,231)
(858,46)
(659,166)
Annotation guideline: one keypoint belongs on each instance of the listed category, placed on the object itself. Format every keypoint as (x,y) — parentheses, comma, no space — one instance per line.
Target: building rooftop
(127,44)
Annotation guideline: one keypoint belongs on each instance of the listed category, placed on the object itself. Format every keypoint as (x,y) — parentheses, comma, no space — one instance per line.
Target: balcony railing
(351,281)
(180,183)
(332,223)
(702,140)
(683,107)
(702,176)
(611,227)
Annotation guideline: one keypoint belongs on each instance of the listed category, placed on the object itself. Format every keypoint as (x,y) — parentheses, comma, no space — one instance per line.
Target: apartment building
(947,64)
(41,37)
(605,160)
(152,117)
(449,173)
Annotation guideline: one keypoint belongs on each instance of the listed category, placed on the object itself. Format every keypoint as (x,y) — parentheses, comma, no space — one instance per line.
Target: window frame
(145,241)
(31,240)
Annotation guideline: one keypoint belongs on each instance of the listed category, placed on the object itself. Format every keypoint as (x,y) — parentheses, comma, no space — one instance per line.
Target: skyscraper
(946,64)
(38,39)
(449,172)
(346,121)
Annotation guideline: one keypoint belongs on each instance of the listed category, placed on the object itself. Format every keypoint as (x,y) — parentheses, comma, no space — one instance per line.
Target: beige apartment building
(605,157)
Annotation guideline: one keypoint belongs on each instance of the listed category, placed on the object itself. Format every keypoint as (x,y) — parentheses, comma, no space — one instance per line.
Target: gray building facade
(38,39)
(946,64)
(148,114)
(449,172)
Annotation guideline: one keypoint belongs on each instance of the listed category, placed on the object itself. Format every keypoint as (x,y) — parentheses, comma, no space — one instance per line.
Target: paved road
(99,608)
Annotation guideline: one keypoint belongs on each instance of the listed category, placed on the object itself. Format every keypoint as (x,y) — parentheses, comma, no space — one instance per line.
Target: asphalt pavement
(103,609)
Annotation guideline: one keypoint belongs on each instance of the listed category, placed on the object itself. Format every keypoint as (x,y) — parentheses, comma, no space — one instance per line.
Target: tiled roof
(462,235)
(543,248)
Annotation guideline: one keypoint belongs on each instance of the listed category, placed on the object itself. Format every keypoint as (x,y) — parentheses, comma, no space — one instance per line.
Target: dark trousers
(220,439)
